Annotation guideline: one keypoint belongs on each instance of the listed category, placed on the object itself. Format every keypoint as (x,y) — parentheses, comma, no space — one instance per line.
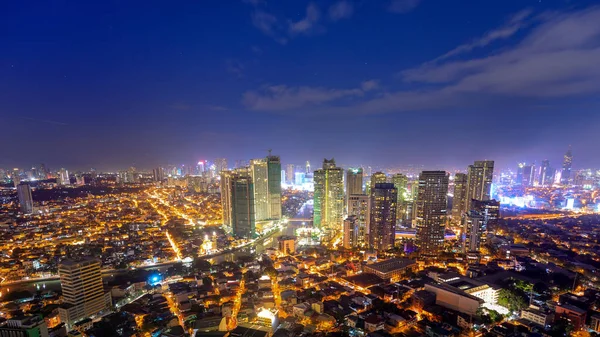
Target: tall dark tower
(566,168)
(431,211)
(384,199)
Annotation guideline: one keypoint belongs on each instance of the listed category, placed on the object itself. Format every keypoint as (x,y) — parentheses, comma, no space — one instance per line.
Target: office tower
(459,200)
(476,223)
(25,198)
(299,178)
(430,211)
(350,238)
(354,181)
(225,185)
(527,178)
(266,177)
(283,176)
(566,168)
(158,174)
(545,176)
(83,292)
(401,183)
(382,227)
(519,178)
(221,165)
(43,172)
(308,171)
(24,326)
(289,173)
(479,181)
(359,207)
(376,178)
(16,177)
(369,171)
(243,221)
(329,198)
(63,177)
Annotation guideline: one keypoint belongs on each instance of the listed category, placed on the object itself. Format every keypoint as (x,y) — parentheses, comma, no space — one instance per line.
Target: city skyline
(111,98)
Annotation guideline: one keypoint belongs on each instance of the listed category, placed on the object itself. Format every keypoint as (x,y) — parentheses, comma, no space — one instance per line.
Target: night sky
(111,84)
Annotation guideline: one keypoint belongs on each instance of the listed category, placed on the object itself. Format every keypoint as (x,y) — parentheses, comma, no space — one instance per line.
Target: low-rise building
(391,269)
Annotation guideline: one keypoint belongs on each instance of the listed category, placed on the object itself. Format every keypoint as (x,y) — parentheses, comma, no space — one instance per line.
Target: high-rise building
(329,198)
(384,198)
(354,181)
(158,174)
(350,238)
(430,212)
(243,222)
(266,176)
(459,201)
(221,165)
(376,178)
(545,177)
(25,198)
(401,183)
(566,167)
(16,177)
(479,181)
(24,326)
(63,177)
(476,223)
(82,290)
(308,171)
(527,175)
(519,178)
(359,207)
(289,173)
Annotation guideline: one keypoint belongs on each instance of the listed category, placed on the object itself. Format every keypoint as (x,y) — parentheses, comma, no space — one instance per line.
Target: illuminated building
(545,178)
(459,205)
(266,177)
(430,210)
(158,174)
(287,244)
(382,227)
(15,176)
(527,175)
(401,183)
(376,178)
(519,178)
(243,220)
(473,229)
(359,206)
(354,181)
(221,165)
(329,198)
(350,238)
(490,209)
(289,173)
(479,181)
(63,177)
(83,292)
(308,171)
(25,198)
(24,326)
(391,269)
(566,168)
(299,178)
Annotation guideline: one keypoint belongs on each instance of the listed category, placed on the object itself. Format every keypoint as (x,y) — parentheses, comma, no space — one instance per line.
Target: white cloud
(308,23)
(369,85)
(341,10)
(403,6)
(269,25)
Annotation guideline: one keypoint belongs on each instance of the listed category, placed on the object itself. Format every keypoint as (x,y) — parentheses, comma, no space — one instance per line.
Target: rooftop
(391,265)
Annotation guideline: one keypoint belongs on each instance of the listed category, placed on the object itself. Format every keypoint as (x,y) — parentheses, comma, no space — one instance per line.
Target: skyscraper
(308,171)
(221,165)
(243,222)
(527,175)
(545,177)
(566,168)
(459,200)
(401,183)
(359,206)
(384,198)
(266,177)
(476,223)
(289,173)
(25,198)
(63,177)
(350,238)
(16,177)
(376,178)
(354,181)
(329,198)
(158,174)
(83,292)
(430,210)
(479,181)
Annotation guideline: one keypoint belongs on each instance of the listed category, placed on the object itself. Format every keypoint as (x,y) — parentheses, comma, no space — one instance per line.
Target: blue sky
(111,84)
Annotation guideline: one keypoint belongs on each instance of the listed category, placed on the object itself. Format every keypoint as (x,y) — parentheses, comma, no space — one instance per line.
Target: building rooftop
(391,265)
